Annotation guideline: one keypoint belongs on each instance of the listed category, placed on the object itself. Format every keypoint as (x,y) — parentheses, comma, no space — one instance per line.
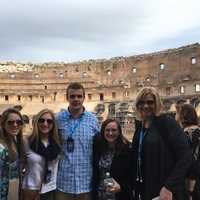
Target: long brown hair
(188,115)
(36,134)
(102,143)
(14,149)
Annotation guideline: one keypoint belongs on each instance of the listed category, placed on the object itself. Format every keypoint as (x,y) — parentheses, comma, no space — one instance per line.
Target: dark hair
(25,119)
(102,143)
(188,115)
(75,86)
(179,103)
(6,138)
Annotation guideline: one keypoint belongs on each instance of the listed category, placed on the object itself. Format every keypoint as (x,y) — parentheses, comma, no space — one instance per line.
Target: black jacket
(166,158)
(120,171)
(194,173)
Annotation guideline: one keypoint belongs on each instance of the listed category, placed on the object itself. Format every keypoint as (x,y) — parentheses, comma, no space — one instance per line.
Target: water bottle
(108,182)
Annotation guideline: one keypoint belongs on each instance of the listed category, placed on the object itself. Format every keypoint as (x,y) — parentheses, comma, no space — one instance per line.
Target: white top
(35,169)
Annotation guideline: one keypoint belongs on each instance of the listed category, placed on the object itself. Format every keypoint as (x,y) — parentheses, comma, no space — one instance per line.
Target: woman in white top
(42,152)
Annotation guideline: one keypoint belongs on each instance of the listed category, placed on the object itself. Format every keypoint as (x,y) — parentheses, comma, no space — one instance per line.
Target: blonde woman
(161,151)
(42,152)
(11,152)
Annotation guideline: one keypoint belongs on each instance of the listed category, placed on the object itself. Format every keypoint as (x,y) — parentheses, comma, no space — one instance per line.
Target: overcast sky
(72,30)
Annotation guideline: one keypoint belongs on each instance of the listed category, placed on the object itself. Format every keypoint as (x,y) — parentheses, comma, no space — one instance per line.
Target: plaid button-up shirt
(75,168)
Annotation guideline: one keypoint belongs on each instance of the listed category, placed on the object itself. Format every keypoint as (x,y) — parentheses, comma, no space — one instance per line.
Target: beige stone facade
(111,85)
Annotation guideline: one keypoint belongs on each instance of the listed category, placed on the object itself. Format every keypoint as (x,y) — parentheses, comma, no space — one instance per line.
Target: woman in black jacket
(111,153)
(161,152)
(189,122)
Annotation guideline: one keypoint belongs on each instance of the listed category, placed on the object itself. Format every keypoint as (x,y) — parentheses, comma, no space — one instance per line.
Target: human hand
(165,194)
(114,188)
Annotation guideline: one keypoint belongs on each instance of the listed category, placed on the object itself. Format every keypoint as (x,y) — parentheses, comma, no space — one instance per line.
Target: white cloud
(37,30)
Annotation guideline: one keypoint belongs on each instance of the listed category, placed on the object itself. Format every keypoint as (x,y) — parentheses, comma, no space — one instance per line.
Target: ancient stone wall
(111,85)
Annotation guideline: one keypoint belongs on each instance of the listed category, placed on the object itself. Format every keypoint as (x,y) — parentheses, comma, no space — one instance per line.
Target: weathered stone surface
(113,83)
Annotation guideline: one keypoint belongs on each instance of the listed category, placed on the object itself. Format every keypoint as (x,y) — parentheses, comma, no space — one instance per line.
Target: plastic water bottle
(108,182)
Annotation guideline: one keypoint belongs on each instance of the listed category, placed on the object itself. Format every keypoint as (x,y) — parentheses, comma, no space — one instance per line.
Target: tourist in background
(42,150)
(161,151)
(111,154)
(178,105)
(189,121)
(11,154)
(77,127)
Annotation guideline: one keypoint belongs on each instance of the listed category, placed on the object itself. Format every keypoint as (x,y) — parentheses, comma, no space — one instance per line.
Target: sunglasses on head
(42,120)
(148,102)
(12,122)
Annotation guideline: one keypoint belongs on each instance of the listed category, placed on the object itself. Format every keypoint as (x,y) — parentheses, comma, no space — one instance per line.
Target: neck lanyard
(139,161)
(72,129)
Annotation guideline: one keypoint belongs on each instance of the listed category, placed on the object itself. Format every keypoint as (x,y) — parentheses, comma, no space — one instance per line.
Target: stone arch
(18,107)
(100,108)
(112,109)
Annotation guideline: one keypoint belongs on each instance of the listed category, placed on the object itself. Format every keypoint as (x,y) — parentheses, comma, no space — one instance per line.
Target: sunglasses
(148,102)
(12,122)
(42,120)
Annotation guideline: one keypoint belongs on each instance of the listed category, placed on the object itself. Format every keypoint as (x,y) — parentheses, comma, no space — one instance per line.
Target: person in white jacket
(42,154)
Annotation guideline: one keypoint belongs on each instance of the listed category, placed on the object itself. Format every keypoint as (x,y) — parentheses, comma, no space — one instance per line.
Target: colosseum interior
(111,84)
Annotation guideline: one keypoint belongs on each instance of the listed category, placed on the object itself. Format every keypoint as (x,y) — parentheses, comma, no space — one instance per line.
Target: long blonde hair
(36,134)
(14,149)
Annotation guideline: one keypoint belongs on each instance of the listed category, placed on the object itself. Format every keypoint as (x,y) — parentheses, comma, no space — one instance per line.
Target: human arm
(96,126)
(4,171)
(95,160)
(190,187)
(23,160)
(121,171)
(180,152)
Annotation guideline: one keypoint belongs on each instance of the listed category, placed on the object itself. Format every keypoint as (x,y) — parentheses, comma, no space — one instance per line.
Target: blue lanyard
(141,138)
(73,129)
(139,162)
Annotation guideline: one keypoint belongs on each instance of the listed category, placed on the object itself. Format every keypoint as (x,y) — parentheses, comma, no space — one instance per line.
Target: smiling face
(111,132)
(45,124)
(13,124)
(147,106)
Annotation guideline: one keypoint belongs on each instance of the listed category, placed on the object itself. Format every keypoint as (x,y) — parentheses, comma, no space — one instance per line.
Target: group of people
(69,157)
